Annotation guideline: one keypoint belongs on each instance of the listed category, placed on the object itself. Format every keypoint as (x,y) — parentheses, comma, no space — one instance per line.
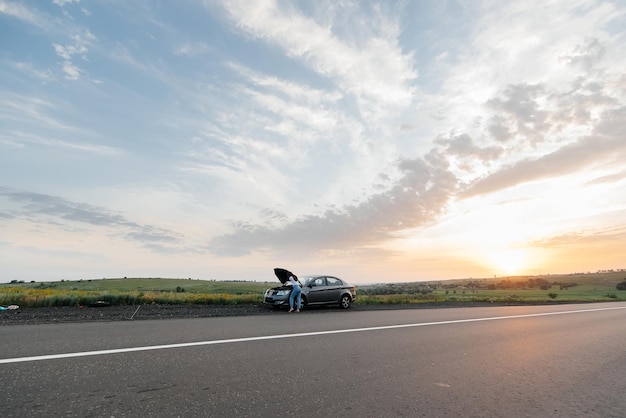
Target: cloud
(6,215)
(374,69)
(19,138)
(80,39)
(529,116)
(22,12)
(538,131)
(610,178)
(77,47)
(45,76)
(416,199)
(605,146)
(192,49)
(584,55)
(151,234)
(464,147)
(40,121)
(62,3)
(611,236)
(521,105)
(53,210)
(266,133)
(526,131)
(37,204)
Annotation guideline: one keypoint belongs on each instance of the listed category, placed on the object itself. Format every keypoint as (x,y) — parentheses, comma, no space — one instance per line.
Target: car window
(319,282)
(333,281)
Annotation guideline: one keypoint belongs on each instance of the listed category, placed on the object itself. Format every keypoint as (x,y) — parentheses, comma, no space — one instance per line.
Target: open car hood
(282,274)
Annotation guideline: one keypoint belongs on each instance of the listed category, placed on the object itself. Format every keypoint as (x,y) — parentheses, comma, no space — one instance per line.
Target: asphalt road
(541,361)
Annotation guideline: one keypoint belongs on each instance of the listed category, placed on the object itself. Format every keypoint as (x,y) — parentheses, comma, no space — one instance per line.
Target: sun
(508,261)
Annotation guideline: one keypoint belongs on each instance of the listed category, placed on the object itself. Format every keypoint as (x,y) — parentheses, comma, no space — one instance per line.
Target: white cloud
(192,49)
(62,3)
(37,208)
(374,70)
(416,199)
(78,47)
(22,12)
(43,75)
(39,113)
(25,138)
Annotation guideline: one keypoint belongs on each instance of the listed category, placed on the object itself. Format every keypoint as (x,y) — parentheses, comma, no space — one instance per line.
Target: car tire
(345,301)
(303,302)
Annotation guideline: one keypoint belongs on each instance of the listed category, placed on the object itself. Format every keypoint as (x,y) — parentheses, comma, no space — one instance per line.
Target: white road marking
(282,336)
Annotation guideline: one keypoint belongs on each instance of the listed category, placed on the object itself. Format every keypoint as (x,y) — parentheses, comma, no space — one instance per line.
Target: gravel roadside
(62,314)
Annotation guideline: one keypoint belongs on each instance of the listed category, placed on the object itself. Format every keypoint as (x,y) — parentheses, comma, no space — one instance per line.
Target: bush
(552,295)
(621,286)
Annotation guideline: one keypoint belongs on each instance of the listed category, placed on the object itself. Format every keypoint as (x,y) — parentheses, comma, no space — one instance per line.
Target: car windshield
(304,280)
(307,279)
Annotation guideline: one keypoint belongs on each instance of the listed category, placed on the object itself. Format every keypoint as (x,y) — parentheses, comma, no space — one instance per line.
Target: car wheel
(303,302)
(345,301)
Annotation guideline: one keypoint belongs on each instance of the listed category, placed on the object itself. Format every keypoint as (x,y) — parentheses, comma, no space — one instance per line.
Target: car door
(315,290)
(333,289)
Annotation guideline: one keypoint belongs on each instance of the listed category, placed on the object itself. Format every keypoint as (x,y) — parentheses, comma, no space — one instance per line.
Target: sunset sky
(380,141)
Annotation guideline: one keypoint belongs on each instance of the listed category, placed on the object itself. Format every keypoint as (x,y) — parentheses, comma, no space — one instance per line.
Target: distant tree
(621,286)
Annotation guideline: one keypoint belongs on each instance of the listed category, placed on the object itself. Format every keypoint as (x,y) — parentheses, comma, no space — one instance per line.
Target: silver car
(316,290)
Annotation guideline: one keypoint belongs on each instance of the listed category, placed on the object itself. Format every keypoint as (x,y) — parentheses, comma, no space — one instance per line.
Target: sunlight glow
(508,261)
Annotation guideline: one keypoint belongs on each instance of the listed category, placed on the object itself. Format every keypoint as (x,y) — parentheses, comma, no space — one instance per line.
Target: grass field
(131,291)
(156,285)
(596,287)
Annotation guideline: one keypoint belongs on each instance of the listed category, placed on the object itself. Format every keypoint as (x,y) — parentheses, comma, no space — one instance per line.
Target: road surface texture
(537,361)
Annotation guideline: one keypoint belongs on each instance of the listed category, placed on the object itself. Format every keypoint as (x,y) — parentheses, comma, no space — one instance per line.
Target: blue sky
(377,141)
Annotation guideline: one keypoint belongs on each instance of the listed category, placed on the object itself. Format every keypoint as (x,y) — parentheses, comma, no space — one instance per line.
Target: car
(316,290)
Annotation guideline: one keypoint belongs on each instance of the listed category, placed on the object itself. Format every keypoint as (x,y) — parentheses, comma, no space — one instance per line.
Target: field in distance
(151,285)
(131,291)
(589,287)
(577,287)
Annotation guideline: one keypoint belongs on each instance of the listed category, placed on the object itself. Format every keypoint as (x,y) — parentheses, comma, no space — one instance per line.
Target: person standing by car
(296,293)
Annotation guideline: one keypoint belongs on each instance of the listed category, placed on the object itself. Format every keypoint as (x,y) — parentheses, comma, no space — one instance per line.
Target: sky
(377,141)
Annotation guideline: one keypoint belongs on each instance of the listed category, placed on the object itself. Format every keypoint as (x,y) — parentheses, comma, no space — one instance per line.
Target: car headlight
(282,292)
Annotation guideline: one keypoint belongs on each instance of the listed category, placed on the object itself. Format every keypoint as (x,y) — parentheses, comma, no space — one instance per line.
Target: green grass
(155,285)
(132,291)
(598,287)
